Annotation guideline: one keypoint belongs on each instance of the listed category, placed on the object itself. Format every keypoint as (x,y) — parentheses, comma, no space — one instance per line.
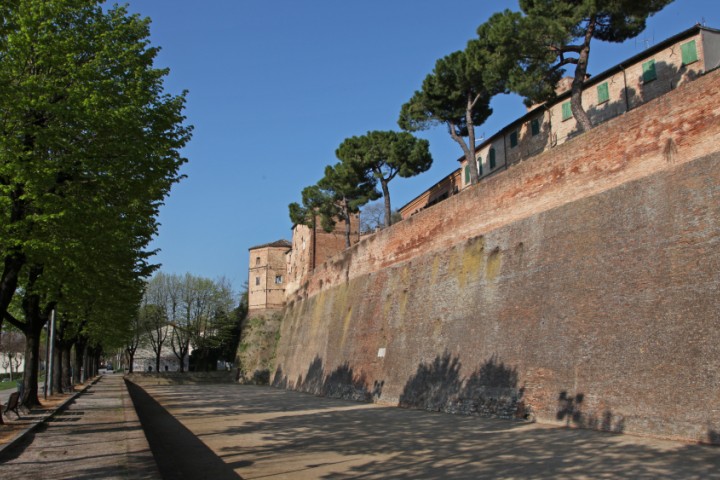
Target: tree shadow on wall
(434,386)
(669,77)
(343,382)
(570,409)
(490,391)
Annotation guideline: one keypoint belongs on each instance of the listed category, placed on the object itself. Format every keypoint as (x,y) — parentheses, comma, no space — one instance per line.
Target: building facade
(314,246)
(267,276)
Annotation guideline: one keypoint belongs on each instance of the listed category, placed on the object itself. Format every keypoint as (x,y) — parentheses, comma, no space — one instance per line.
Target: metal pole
(47,359)
(52,348)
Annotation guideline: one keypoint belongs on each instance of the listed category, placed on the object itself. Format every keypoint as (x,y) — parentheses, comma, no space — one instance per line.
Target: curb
(22,433)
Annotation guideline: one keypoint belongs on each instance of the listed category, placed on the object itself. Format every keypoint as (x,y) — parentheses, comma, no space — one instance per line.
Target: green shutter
(566,111)
(535,126)
(689,52)
(479,166)
(491,158)
(513,139)
(649,73)
(603,93)
(467,174)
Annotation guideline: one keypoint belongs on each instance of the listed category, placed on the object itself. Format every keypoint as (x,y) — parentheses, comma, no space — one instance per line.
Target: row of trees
(524,52)
(89,148)
(367,165)
(187,312)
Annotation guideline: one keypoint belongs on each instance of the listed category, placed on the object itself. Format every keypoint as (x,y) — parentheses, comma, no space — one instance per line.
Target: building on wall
(313,246)
(277,269)
(267,276)
(443,189)
(629,84)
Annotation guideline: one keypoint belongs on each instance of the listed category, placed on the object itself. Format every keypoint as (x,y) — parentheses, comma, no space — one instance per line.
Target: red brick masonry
(581,286)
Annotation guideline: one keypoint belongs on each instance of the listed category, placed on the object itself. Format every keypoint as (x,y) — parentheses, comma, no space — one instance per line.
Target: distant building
(268,276)
(277,269)
(144,358)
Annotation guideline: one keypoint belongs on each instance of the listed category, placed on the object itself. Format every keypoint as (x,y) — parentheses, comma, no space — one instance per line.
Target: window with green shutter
(603,93)
(535,127)
(513,139)
(649,73)
(689,52)
(566,111)
(467,174)
(480,167)
(491,158)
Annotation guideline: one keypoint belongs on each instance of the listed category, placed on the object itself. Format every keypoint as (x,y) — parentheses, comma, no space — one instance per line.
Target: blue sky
(276,85)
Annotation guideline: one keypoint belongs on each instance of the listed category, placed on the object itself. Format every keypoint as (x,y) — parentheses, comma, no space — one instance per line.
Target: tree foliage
(383,155)
(89,148)
(336,197)
(189,312)
(456,94)
(552,35)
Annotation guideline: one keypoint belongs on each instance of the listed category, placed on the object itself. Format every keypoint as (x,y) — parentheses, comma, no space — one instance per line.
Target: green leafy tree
(556,33)
(315,204)
(337,196)
(89,147)
(454,94)
(383,155)
(347,187)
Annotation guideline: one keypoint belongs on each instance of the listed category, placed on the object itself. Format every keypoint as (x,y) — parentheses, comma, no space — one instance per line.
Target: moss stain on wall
(470,260)
(494,263)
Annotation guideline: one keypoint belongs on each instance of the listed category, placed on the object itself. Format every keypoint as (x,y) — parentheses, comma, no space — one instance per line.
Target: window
(603,93)
(649,71)
(467,174)
(278,279)
(257,280)
(689,52)
(257,260)
(566,111)
(491,158)
(479,166)
(535,127)
(513,139)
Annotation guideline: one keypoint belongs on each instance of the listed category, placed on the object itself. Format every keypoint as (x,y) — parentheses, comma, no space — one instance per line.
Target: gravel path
(97,437)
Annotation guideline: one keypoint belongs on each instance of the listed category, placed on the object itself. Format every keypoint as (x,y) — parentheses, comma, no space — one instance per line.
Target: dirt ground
(262,432)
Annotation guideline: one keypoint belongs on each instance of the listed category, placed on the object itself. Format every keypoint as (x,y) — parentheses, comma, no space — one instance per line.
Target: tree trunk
(32,355)
(57,369)
(79,372)
(474,174)
(157,360)
(66,371)
(386,198)
(581,116)
(130,353)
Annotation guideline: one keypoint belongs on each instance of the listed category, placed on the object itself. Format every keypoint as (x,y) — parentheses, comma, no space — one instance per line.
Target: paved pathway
(274,434)
(97,437)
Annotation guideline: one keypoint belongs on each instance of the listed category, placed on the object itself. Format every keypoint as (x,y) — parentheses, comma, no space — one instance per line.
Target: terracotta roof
(277,243)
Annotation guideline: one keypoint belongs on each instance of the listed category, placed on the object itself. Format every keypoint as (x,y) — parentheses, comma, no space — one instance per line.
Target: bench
(13,403)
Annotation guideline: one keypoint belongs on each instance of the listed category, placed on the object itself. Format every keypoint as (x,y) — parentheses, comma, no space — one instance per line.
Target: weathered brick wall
(580,286)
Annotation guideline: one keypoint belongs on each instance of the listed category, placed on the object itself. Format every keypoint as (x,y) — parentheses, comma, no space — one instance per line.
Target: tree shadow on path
(178,452)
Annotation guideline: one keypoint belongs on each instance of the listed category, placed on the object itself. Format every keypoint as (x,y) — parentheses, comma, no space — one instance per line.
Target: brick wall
(584,292)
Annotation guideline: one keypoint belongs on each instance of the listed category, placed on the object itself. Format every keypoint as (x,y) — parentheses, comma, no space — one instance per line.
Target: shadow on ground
(178,452)
(275,432)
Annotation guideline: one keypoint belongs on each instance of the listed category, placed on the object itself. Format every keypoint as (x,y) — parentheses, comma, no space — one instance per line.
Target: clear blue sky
(276,85)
